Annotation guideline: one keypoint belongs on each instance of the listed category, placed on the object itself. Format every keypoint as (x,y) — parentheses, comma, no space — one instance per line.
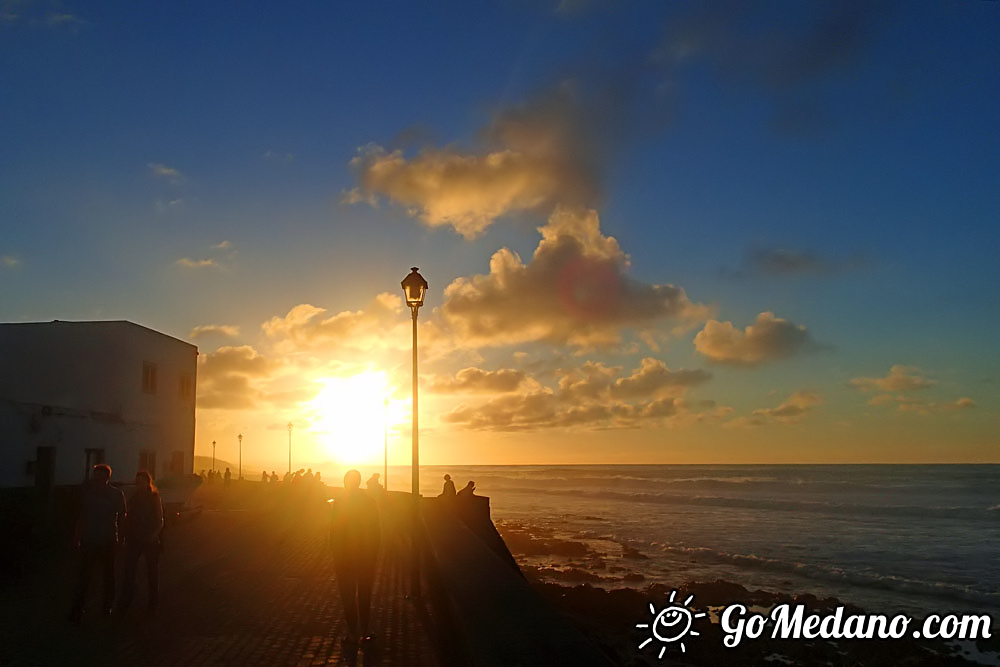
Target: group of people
(106,521)
(467,491)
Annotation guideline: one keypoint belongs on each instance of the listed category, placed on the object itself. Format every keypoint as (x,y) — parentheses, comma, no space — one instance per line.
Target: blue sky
(834,164)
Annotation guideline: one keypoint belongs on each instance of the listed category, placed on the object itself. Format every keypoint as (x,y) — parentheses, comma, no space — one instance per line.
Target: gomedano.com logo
(786,621)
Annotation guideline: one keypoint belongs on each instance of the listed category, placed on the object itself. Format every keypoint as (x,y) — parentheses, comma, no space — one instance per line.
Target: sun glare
(351,417)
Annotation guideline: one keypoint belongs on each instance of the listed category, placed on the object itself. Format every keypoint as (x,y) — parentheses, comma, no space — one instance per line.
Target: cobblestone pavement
(238,587)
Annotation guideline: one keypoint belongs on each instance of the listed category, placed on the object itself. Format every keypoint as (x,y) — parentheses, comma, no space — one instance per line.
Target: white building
(73,394)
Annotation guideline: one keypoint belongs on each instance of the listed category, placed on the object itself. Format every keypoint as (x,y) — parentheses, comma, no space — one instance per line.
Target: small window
(148,377)
(186,387)
(93,457)
(147,462)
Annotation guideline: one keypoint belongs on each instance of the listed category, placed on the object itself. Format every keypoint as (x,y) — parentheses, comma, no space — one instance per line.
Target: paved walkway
(238,587)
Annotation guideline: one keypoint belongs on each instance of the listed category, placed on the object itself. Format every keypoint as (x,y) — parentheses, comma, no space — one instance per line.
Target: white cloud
(227,330)
(900,379)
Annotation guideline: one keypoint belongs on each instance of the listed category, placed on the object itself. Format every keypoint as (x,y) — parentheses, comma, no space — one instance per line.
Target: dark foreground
(247,581)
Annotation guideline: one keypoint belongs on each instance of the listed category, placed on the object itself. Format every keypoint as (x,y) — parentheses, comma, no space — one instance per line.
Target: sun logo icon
(671,624)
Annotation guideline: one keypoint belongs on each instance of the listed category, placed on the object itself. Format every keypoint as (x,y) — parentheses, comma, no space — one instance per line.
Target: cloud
(9,261)
(307,326)
(165,172)
(227,330)
(899,379)
(768,339)
(922,406)
(794,407)
(472,380)
(549,151)
(224,256)
(787,56)
(783,262)
(575,291)
(653,377)
(228,378)
(593,396)
(197,263)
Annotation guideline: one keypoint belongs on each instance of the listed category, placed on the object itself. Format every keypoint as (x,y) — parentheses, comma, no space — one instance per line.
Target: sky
(654,232)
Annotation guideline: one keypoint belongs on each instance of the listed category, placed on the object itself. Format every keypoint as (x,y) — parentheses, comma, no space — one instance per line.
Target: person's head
(352,479)
(101,473)
(447,478)
(470,485)
(375,476)
(144,481)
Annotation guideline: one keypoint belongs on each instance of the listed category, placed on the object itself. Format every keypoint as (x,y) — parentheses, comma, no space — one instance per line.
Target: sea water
(889,538)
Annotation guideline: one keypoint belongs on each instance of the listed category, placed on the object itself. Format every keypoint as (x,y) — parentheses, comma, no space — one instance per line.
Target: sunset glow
(351,416)
(652,233)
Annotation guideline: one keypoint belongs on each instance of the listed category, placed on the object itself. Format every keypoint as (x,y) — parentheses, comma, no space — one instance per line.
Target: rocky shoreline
(609,617)
(606,596)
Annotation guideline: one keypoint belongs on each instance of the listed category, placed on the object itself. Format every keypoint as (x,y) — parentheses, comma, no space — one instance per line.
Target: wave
(825,573)
(964,512)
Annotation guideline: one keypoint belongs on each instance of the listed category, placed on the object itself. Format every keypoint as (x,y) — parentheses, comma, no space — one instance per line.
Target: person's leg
(152,553)
(107,557)
(347,582)
(366,581)
(86,563)
(130,562)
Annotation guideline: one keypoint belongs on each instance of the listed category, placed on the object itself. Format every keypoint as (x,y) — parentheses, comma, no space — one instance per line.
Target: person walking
(355,535)
(102,507)
(142,540)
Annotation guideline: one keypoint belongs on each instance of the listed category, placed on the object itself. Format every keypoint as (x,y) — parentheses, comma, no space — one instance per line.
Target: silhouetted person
(374,487)
(354,539)
(102,506)
(228,476)
(274,477)
(468,491)
(449,488)
(264,477)
(141,532)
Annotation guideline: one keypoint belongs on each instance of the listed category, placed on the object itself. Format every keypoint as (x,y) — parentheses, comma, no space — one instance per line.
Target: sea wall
(475,582)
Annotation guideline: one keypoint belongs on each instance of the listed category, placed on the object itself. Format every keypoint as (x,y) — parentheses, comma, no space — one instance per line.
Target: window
(177,462)
(148,377)
(94,456)
(147,462)
(186,386)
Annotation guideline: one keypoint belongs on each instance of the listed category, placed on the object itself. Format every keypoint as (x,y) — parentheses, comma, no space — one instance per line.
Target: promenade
(248,581)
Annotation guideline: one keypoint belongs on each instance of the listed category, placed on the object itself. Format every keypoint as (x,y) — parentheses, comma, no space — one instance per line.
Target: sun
(671,624)
(352,416)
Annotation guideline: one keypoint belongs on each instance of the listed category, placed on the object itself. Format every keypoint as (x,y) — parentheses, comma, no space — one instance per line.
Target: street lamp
(213,456)
(289,448)
(240,438)
(414,289)
(385,443)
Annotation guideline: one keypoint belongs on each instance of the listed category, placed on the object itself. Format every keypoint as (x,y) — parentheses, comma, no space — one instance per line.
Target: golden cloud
(573,292)
(536,156)
(899,379)
(768,339)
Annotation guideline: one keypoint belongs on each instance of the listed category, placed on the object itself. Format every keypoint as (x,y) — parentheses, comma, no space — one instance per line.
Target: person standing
(142,540)
(355,535)
(102,507)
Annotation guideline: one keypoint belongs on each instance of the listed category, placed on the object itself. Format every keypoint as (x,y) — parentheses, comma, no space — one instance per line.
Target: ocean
(889,538)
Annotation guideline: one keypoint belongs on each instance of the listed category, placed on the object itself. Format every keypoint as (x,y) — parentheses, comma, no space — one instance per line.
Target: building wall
(74,386)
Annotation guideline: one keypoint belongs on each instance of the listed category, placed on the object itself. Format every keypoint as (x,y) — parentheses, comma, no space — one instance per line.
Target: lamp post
(213,456)
(385,443)
(289,448)
(414,289)
(240,438)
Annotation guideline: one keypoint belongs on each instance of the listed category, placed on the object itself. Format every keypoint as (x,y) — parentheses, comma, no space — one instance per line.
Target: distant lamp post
(240,438)
(414,289)
(385,443)
(213,456)
(289,448)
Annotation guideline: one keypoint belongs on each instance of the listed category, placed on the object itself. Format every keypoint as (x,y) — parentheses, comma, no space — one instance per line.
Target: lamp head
(414,288)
